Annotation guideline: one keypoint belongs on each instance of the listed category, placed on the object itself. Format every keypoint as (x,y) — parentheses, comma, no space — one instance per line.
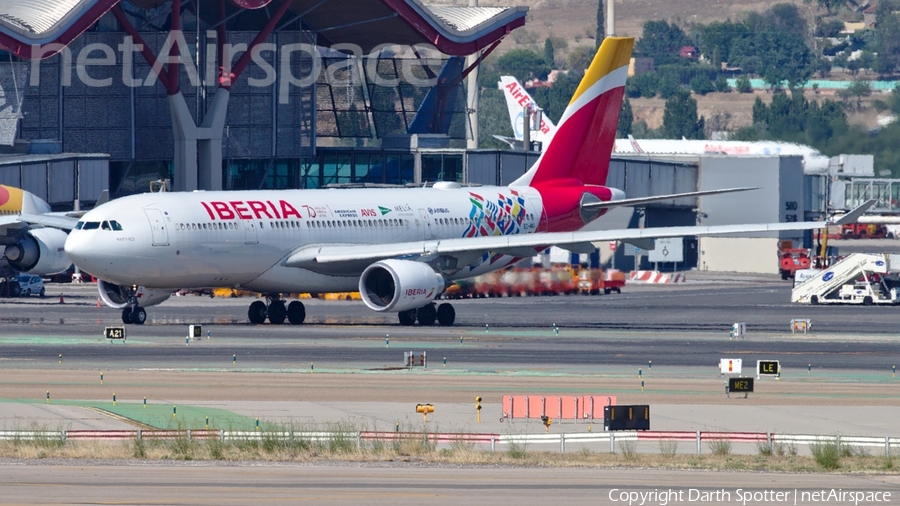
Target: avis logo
(368,213)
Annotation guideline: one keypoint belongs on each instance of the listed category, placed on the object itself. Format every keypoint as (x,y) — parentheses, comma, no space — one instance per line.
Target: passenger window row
(465,221)
(393,222)
(206,226)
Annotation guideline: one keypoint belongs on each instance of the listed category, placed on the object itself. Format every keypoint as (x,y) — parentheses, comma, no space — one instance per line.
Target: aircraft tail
(435,113)
(516,100)
(583,142)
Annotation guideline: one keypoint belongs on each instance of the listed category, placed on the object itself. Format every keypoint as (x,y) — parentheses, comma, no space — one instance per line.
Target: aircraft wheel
(446,315)
(426,315)
(407,318)
(138,315)
(296,312)
(277,313)
(126,315)
(257,312)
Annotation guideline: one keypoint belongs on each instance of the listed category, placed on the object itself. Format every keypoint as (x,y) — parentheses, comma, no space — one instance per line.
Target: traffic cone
(61,299)
(98,303)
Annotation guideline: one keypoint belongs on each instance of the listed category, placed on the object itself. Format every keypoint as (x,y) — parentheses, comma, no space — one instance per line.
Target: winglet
(854,215)
(102,198)
(31,204)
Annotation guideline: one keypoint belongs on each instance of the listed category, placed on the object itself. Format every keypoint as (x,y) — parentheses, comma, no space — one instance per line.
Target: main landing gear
(444,314)
(134,314)
(275,310)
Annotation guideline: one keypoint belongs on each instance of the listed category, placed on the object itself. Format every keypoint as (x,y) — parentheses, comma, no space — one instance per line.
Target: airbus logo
(247,210)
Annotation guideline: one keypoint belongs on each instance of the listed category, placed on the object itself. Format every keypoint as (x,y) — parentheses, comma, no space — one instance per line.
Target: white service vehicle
(856,279)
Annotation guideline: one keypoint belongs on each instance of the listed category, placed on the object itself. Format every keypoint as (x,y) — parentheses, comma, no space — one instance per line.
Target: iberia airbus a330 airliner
(398,247)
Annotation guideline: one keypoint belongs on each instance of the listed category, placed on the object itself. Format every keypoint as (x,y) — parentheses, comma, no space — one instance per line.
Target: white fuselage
(813,160)
(242,238)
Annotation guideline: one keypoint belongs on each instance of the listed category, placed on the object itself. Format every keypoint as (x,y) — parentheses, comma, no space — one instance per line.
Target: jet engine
(399,285)
(118,296)
(41,251)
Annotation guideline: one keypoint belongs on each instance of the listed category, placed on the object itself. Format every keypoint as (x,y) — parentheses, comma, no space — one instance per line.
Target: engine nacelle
(399,285)
(118,296)
(41,251)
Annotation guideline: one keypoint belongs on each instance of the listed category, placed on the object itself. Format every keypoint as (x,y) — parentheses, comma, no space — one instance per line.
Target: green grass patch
(160,415)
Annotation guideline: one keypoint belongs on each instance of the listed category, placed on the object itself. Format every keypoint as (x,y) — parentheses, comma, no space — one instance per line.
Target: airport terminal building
(252,94)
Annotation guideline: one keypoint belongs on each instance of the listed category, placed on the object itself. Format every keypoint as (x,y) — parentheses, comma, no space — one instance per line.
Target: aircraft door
(250,233)
(157,227)
(426,224)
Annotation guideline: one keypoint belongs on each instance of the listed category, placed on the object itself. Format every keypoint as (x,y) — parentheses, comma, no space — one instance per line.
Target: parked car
(30,285)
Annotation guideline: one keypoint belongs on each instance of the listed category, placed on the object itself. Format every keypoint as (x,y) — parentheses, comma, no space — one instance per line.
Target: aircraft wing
(522,243)
(11,221)
(47,220)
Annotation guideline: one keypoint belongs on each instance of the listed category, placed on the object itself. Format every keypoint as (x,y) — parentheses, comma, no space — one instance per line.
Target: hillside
(575,22)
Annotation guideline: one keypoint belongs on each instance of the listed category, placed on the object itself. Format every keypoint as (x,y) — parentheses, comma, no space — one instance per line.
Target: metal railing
(761,438)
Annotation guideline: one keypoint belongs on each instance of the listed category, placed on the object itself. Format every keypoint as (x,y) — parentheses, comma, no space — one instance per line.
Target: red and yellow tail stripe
(10,200)
(583,142)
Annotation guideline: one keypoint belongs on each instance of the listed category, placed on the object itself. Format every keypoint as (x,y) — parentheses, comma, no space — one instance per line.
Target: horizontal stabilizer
(854,215)
(638,201)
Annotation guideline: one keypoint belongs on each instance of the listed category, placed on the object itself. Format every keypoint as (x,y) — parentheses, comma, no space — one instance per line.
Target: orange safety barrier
(560,407)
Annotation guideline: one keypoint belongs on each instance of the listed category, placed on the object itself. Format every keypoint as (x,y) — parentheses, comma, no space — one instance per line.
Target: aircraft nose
(78,248)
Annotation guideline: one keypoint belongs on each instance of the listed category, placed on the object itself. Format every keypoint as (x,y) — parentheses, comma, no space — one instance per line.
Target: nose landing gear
(134,314)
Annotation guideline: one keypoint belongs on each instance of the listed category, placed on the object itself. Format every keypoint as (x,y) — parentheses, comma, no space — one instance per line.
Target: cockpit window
(105,226)
(79,225)
(91,225)
(115,225)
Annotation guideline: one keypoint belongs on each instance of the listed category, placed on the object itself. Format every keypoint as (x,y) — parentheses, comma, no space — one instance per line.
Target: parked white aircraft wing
(48,220)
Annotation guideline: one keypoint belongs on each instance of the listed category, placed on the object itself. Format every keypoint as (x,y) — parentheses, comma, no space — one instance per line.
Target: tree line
(777,45)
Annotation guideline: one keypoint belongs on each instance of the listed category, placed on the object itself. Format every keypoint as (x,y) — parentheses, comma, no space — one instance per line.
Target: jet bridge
(857,279)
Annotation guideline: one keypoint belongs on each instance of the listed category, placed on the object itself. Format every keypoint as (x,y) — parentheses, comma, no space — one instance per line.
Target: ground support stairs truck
(859,278)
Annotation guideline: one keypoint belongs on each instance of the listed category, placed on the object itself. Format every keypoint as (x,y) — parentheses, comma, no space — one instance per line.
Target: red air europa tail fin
(586,133)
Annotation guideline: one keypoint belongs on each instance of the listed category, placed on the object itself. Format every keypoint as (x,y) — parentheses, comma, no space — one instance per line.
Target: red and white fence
(656,277)
(888,443)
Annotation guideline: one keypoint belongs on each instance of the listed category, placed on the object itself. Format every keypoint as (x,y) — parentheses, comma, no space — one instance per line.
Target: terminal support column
(198,149)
